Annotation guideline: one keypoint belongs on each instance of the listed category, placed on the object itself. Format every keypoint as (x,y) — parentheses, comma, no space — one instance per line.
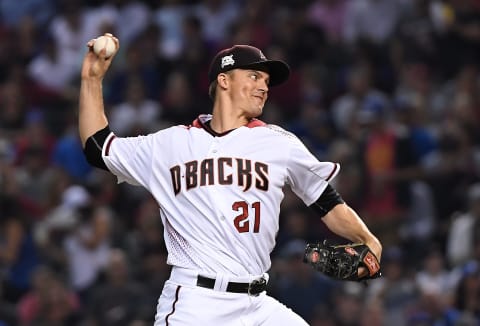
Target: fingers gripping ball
(104,42)
(341,262)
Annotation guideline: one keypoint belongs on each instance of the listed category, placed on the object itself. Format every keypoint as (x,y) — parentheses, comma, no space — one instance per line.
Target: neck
(225,118)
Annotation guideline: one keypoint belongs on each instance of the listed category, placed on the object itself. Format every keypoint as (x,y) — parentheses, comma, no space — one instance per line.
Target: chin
(256,112)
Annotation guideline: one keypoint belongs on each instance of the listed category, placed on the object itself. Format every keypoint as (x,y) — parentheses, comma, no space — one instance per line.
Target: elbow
(93,148)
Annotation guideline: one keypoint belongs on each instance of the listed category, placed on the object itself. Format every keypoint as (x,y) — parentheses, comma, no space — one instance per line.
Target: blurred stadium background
(387,88)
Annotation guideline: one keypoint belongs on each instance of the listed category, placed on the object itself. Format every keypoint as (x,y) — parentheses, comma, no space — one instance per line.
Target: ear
(222,80)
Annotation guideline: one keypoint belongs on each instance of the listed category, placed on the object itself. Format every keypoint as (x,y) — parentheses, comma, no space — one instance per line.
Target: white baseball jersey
(219,195)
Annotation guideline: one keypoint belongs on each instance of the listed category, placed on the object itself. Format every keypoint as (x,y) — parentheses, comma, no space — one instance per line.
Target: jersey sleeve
(306,175)
(129,158)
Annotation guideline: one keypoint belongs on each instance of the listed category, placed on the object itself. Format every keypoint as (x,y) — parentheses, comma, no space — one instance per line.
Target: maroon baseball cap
(248,57)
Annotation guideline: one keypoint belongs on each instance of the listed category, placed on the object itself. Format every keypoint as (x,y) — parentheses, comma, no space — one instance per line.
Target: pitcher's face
(249,90)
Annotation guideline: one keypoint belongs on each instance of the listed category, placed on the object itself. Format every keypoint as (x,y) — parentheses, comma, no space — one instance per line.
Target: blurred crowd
(387,88)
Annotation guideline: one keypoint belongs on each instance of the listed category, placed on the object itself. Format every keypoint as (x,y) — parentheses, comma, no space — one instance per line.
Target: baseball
(104,42)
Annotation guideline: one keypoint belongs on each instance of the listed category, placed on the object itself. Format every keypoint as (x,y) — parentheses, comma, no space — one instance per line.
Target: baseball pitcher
(218,183)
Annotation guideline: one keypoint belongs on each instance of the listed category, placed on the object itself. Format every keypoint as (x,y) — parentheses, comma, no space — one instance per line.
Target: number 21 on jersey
(243,220)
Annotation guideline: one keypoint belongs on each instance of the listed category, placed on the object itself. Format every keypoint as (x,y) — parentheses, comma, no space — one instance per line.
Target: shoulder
(273,136)
(280,131)
(283,136)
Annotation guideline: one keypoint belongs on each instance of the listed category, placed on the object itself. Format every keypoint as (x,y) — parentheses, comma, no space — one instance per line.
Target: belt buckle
(257,286)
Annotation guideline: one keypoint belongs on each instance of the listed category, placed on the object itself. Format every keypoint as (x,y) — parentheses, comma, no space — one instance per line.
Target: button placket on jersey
(213,191)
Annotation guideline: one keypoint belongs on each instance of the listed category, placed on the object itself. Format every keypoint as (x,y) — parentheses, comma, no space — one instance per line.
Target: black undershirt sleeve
(93,148)
(327,200)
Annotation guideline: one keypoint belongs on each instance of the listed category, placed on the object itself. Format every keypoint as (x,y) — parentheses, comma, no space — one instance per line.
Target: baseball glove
(341,262)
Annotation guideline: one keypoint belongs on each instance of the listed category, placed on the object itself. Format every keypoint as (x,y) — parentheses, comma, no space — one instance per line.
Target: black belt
(254,288)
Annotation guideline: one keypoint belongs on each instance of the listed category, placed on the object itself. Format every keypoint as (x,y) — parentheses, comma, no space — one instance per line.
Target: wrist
(92,79)
(375,246)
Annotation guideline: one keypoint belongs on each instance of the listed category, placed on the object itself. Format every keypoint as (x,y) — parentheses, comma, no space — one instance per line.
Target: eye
(254,76)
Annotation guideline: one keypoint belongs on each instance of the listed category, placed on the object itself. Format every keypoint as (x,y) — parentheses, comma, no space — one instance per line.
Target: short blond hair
(212,89)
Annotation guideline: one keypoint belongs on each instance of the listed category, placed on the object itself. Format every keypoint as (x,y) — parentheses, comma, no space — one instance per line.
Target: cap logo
(227,61)
(262,56)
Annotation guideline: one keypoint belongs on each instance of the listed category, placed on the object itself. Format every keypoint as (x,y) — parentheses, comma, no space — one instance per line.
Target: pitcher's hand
(95,66)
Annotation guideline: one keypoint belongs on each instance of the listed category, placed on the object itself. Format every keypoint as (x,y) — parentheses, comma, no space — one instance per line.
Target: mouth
(260,97)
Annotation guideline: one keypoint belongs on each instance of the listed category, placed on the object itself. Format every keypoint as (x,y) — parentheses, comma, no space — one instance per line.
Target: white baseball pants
(183,303)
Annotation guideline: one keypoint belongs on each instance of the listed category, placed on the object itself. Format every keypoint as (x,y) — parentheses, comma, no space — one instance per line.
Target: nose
(263,87)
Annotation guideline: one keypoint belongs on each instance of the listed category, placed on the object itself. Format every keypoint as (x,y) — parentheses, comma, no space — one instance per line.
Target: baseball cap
(248,57)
